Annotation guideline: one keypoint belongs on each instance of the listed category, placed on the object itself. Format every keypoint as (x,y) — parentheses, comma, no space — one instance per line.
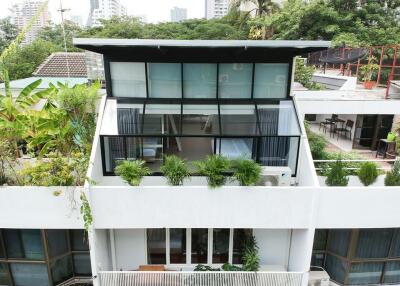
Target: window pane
(278,151)
(234,80)
(61,269)
(130,120)
(79,240)
(165,80)
(338,241)
(156,246)
(2,251)
(199,245)
(278,119)
(239,238)
(199,80)
(220,245)
(26,243)
(128,79)
(177,243)
(320,239)
(25,274)
(365,273)
(270,80)
(57,242)
(234,148)
(396,244)
(336,268)
(317,259)
(238,120)
(373,243)
(4,277)
(162,119)
(392,272)
(82,265)
(200,119)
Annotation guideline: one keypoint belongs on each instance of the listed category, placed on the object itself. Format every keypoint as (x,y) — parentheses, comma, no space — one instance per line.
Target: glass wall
(25,261)
(359,256)
(268,134)
(128,79)
(196,246)
(200,80)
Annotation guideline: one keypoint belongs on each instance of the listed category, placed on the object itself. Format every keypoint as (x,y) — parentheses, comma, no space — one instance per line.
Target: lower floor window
(196,246)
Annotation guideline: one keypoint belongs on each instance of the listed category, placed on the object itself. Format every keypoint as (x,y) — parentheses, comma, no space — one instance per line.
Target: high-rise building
(22,12)
(104,9)
(178,14)
(216,8)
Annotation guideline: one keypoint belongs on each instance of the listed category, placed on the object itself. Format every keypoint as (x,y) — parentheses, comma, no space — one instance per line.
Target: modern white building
(193,99)
(22,12)
(216,8)
(178,14)
(104,9)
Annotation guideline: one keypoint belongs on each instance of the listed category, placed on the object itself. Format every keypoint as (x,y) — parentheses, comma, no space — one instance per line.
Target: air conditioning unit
(275,176)
(318,278)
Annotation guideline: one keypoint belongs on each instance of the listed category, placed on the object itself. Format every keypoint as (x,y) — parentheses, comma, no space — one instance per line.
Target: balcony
(135,278)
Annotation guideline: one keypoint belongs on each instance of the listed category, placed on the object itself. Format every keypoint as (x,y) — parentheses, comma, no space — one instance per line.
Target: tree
(8,32)
(261,7)
(54,34)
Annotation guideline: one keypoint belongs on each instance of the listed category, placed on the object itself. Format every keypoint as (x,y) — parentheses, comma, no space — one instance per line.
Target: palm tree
(261,7)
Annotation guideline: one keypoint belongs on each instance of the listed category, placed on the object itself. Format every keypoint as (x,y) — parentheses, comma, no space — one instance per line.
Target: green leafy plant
(214,167)
(393,176)
(48,172)
(132,171)
(337,175)
(251,258)
(246,171)
(369,69)
(368,173)
(86,212)
(317,143)
(175,169)
(201,267)
(231,267)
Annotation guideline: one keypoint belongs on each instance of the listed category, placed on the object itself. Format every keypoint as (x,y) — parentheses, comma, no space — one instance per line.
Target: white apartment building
(178,14)
(216,8)
(22,12)
(193,99)
(105,9)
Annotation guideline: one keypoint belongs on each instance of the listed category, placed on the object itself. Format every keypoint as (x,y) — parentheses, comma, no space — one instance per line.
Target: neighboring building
(178,14)
(216,8)
(104,9)
(61,64)
(77,19)
(22,12)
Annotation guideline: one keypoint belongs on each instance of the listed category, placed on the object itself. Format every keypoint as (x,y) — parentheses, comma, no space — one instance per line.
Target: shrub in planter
(368,173)
(246,171)
(393,177)
(175,169)
(213,167)
(251,259)
(132,171)
(337,175)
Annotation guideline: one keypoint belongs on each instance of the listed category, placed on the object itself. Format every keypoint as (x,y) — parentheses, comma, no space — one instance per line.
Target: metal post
(380,65)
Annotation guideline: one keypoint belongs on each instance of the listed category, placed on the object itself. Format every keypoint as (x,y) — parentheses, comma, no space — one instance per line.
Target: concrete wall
(130,248)
(274,246)
(335,82)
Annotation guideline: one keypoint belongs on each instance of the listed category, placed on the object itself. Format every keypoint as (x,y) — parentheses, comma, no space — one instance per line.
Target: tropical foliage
(214,168)
(337,175)
(175,169)
(132,172)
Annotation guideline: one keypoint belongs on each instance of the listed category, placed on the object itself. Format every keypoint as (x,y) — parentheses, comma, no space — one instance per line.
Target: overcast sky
(155,10)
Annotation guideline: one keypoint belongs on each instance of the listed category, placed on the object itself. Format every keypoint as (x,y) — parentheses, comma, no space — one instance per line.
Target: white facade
(216,8)
(105,10)
(178,14)
(22,12)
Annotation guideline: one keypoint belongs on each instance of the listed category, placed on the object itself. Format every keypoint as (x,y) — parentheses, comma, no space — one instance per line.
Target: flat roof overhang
(200,50)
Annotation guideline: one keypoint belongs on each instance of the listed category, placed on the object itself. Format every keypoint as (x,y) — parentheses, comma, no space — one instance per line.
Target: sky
(154,10)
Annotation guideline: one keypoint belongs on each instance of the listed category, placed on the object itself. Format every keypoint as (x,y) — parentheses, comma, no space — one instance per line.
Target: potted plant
(367,72)
(214,168)
(132,172)
(246,171)
(337,175)
(393,177)
(175,169)
(368,173)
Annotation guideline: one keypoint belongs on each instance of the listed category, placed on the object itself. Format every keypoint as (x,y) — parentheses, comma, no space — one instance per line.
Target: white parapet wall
(40,207)
(335,82)
(201,207)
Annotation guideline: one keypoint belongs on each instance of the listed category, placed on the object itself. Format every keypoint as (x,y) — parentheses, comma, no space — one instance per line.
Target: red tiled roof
(56,65)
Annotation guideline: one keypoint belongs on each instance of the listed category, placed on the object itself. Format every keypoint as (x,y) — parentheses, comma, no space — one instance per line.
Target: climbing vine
(86,212)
